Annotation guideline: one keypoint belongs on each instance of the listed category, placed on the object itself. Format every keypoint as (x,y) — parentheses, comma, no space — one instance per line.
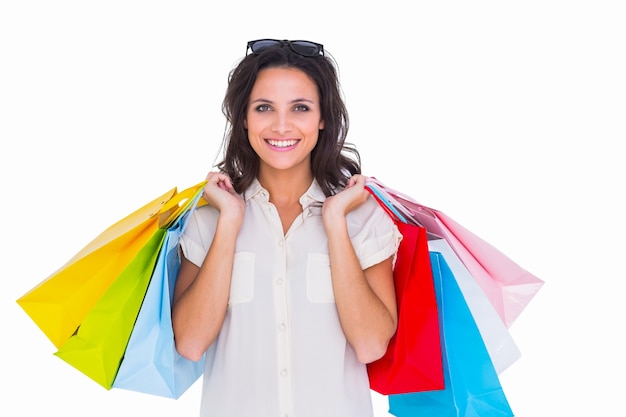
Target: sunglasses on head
(304,48)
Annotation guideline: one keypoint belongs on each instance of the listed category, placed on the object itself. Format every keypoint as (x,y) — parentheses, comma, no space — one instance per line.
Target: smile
(282,143)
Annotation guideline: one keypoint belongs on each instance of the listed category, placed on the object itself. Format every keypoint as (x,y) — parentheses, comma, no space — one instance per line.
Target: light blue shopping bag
(472,387)
(151,363)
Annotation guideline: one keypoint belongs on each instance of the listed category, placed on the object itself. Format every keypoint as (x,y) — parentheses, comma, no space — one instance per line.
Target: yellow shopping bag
(59,303)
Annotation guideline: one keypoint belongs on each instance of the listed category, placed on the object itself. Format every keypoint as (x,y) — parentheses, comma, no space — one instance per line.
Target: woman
(286,275)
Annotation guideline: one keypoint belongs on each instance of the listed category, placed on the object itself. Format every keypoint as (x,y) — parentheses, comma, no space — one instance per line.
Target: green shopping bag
(97,347)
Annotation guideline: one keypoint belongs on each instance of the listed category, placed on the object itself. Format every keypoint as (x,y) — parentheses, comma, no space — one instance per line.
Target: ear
(321,126)
(245,124)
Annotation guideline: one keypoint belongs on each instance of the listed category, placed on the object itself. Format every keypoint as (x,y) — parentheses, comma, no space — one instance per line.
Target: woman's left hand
(346,200)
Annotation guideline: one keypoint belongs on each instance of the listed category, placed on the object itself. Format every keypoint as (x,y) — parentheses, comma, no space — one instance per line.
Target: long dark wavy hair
(333,160)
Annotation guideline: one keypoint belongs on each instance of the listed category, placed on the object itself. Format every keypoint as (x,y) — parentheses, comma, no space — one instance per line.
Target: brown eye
(262,108)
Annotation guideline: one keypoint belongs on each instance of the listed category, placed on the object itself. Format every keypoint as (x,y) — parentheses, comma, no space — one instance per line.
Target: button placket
(282,329)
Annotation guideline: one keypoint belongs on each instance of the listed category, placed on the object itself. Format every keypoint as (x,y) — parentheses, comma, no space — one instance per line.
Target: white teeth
(282,143)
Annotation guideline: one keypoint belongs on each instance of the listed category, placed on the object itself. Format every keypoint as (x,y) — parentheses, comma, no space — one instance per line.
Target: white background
(508,116)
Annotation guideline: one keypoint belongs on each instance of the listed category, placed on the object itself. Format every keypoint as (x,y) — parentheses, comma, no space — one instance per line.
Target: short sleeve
(198,235)
(375,237)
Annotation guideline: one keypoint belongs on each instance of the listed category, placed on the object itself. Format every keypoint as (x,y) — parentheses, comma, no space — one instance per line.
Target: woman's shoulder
(204,215)
(370,212)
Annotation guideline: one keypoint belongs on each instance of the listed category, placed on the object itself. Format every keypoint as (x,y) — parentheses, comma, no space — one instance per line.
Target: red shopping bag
(413,361)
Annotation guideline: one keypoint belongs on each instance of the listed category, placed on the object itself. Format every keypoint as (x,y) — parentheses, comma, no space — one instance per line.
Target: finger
(362,178)
(215,177)
(358,179)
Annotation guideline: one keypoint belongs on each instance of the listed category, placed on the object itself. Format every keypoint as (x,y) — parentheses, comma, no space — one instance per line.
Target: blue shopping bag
(498,340)
(472,387)
(151,363)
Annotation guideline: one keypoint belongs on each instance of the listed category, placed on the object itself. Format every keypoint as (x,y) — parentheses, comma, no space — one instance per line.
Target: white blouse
(281,351)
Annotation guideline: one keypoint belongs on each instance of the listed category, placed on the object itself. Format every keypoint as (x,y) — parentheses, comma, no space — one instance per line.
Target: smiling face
(283,120)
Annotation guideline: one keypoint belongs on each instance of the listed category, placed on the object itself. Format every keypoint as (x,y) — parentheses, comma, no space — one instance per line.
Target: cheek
(253,123)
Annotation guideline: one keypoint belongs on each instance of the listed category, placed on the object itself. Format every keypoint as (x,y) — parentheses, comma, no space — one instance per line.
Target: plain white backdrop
(508,116)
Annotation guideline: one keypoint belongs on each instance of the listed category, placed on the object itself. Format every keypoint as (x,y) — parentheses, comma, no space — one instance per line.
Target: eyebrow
(297,100)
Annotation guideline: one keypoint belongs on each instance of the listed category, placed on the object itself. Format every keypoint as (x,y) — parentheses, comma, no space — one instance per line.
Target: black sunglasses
(304,48)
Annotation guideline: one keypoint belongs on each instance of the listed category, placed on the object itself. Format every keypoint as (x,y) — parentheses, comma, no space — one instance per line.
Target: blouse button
(279,281)
(283,373)
(282,327)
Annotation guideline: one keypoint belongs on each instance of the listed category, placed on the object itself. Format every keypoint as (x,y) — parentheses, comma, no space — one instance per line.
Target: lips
(282,144)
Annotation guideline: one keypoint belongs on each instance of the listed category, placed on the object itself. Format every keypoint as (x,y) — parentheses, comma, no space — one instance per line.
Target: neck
(286,187)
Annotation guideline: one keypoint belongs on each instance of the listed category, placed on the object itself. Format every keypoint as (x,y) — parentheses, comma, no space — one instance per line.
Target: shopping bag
(502,349)
(60,303)
(151,363)
(508,286)
(97,345)
(413,360)
(472,387)
(68,305)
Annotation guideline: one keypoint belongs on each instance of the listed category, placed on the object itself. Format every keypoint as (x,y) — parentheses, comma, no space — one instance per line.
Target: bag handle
(409,211)
(177,204)
(403,204)
(385,203)
(392,202)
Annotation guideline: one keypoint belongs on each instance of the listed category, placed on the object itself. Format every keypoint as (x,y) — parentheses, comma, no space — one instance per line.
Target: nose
(282,122)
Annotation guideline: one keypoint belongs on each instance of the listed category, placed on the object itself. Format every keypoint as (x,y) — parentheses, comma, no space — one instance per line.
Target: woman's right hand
(220,193)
